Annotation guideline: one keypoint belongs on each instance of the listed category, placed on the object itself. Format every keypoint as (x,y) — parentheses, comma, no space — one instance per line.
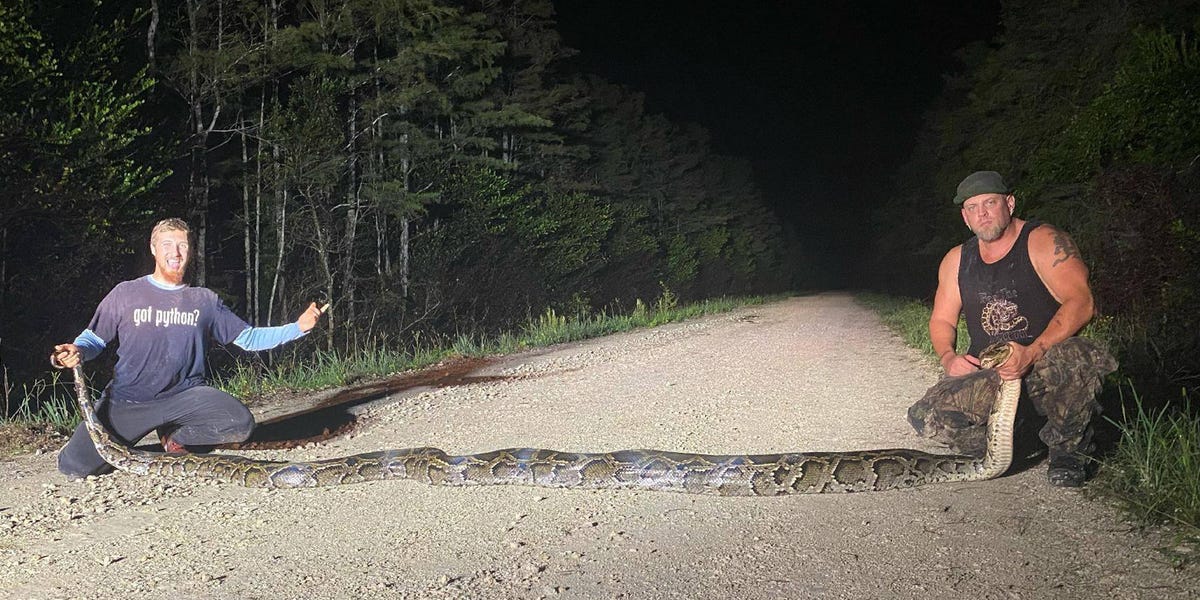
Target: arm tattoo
(1064,248)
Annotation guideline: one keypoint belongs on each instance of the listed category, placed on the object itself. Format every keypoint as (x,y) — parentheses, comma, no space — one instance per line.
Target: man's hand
(1020,362)
(66,356)
(959,364)
(308,319)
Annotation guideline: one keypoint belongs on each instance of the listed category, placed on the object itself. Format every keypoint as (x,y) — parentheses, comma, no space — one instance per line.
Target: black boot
(1068,469)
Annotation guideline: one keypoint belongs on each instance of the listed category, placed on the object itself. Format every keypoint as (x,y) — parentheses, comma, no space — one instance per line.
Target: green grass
(1154,472)
(910,320)
(330,369)
(45,403)
(323,369)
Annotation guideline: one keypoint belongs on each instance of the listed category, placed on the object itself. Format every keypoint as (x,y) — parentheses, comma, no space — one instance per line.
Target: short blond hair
(171,224)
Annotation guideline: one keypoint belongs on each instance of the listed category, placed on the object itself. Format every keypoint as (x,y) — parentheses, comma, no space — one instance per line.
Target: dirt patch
(811,373)
(17,439)
(336,414)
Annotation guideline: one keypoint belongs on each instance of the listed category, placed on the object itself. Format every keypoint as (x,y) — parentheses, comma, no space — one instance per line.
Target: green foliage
(1154,473)
(683,260)
(1148,114)
(27,65)
(695,216)
(76,167)
(667,300)
(533,112)
(1131,156)
(552,328)
(308,133)
(44,402)
(563,231)
(515,245)
(67,123)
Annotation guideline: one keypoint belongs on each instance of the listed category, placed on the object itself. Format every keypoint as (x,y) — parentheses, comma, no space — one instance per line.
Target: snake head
(995,355)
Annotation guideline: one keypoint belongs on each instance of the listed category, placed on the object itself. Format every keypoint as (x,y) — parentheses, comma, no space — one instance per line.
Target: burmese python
(732,475)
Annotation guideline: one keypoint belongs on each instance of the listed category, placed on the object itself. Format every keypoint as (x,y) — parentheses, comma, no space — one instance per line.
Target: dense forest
(1092,110)
(423,165)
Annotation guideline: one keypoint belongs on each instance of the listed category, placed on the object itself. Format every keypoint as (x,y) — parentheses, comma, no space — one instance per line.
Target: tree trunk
(269,29)
(247,246)
(4,266)
(404,242)
(199,183)
(405,171)
(383,261)
(256,265)
(152,32)
(326,269)
(281,196)
(199,197)
(378,168)
(352,199)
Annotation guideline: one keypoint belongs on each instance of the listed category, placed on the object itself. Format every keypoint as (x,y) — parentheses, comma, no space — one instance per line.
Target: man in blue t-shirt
(164,327)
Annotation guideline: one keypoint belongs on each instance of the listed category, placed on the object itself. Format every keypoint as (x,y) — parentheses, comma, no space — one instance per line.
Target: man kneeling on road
(164,327)
(1021,282)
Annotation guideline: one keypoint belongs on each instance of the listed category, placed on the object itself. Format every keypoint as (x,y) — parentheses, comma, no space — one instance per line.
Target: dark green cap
(981,182)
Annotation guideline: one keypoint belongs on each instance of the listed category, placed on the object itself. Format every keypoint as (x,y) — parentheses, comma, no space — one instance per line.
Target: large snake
(725,475)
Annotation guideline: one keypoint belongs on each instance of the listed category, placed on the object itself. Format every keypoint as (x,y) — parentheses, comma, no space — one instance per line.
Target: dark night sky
(823,97)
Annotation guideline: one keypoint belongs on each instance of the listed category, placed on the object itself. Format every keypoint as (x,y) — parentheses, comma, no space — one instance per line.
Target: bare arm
(87,345)
(943,321)
(308,319)
(1060,267)
(65,356)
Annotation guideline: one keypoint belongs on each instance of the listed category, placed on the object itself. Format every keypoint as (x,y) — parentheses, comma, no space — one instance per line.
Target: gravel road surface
(816,372)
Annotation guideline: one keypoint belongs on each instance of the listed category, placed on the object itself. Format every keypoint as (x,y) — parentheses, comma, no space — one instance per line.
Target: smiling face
(988,215)
(170,249)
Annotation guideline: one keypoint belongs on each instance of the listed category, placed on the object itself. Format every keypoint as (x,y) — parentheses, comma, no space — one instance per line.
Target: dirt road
(809,373)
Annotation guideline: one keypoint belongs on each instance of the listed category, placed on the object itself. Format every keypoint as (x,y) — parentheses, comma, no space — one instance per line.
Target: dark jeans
(199,416)
(1062,386)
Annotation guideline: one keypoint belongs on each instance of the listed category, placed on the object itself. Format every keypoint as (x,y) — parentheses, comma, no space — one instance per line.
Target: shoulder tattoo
(1064,248)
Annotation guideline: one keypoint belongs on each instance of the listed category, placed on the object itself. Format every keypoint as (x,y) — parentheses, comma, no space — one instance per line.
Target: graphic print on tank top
(1001,318)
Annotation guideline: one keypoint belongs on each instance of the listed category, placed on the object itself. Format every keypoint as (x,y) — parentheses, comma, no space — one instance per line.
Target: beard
(991,233)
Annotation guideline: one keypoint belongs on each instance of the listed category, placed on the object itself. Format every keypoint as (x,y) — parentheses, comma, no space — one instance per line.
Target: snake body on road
(725,475)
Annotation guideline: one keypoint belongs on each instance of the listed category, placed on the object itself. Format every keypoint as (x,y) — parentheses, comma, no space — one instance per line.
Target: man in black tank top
(1024,283)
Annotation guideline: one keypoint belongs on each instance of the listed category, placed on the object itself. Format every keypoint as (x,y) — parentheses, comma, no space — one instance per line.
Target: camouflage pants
(1062,387)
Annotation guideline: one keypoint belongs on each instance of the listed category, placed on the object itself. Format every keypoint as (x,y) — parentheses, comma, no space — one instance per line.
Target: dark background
(824,98)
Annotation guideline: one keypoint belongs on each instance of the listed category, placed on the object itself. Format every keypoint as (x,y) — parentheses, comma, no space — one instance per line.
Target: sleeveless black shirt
(1004,301)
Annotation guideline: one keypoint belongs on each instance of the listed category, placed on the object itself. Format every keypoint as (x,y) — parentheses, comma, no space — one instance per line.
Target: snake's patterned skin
(725,475)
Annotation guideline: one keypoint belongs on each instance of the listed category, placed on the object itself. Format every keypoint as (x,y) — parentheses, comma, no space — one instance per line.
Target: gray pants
(1062,387)
(199,416)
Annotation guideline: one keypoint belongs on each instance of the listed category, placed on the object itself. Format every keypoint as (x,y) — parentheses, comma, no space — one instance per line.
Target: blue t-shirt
(163,336)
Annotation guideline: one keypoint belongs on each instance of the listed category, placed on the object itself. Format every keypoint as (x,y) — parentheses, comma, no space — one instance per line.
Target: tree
(72,172)
(1091,110)
(208,62)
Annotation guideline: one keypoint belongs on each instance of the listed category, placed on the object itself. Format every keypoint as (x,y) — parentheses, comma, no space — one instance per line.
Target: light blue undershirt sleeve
(164,286)
(90,345)
(265,338)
